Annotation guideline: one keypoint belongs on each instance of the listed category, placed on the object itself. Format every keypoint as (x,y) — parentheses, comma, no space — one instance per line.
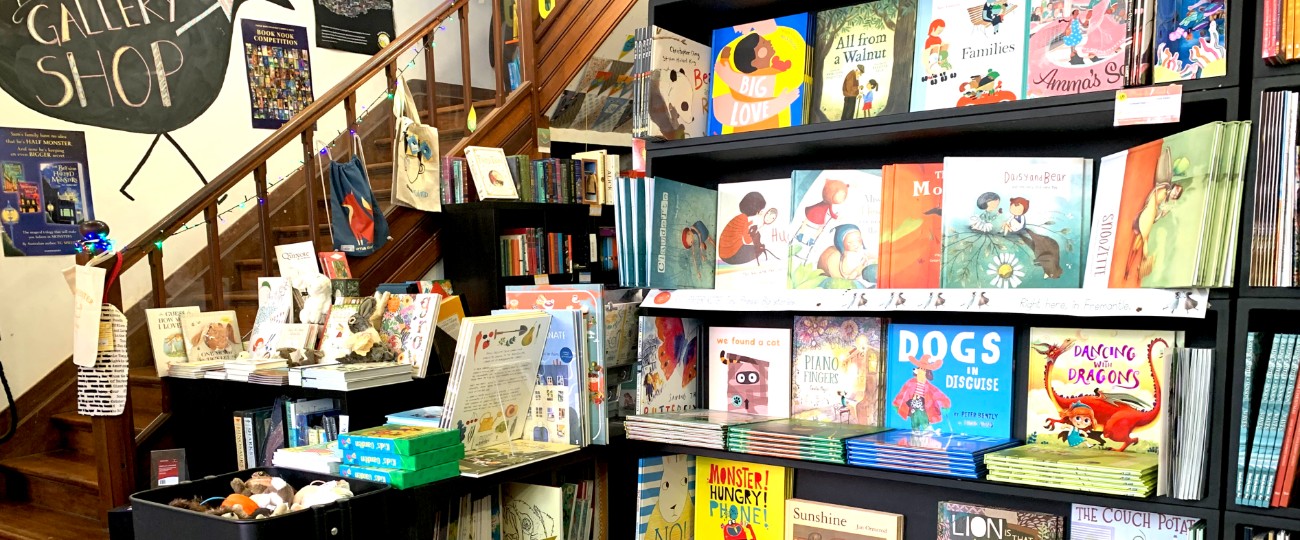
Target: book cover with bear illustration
(835,229)
(678,89)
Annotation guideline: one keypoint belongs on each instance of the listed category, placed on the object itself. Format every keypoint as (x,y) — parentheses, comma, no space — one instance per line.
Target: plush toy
(321,493)
(365,344)
(300,357)
(266,491)
(316,306)
(195,505)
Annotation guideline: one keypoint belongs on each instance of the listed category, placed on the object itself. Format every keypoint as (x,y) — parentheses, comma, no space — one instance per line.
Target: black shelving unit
(473,258)
(1234,522)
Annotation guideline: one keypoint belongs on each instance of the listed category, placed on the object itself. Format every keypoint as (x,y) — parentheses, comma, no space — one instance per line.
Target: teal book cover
(1013,223)
(950,379)
(836,229)
(683,243)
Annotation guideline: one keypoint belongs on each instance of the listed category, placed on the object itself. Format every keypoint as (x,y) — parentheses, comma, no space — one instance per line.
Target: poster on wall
(279,71)
(45,191)
(359,26)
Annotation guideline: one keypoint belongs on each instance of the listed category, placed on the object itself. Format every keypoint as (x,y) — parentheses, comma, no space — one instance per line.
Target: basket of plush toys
(267,503)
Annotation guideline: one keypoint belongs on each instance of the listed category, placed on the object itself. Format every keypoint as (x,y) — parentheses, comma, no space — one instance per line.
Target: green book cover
(862,60)
(797,428)
(404,440)
(1093,459)
(401,479)
(414,462)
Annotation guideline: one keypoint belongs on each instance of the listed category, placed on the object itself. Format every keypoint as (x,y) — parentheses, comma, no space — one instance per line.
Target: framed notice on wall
(279,71)
(359,26)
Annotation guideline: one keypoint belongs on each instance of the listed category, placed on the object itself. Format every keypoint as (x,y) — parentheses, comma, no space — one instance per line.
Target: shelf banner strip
(1181,303)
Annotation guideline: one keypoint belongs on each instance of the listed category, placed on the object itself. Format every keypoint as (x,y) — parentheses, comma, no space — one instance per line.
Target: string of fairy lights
(98,242)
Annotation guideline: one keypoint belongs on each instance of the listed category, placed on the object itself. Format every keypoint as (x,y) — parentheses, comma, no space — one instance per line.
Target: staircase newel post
(114,436)
(264,217)
(430,75)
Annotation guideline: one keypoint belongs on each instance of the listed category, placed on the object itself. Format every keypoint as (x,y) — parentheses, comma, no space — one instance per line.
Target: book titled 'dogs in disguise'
(838,372)
(736,499)
(950,379)
(808,520)
(861,63)
(682,242)
(1015,222)
(964,521)
(760,73)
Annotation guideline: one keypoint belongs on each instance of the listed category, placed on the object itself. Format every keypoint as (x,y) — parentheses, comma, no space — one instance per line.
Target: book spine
(250,440)
(1261,424)
(1287,460)
(1268,34)
(241,458)
(1280,419)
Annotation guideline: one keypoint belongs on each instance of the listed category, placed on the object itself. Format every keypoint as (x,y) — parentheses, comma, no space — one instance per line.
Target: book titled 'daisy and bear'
(877,58)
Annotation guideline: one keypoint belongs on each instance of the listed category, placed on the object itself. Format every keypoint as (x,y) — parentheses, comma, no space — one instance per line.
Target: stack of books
(345,377)
(812,440)
(424,416)
(943,455)
(194,370)
(703,428)
(401,456)
(278,376)
(321,458)
(1268,448)
(242,370)
(1093,470)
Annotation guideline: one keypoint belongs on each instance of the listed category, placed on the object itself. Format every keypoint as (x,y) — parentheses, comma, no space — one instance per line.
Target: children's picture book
(333,343)
(760,75)
(722,483)
(397,439)
(678,89)
(491,173)
(66,192)
(557,412)
(1015,222)
(166,336)
(665,497)
(911,226)
(297,260)
(335,264)
(950,379)
(503,457)
(958,521)
(1077,48)
(274,309)
(861,63)
(753,234)
(1190,40)
(838,372)
(751,368)
(969,52)
(1157,214)
(493,376)
(211,336)
(407,325)
(682,247)
(1096,522)
(532,511)
(668,364)
(836,229)
(809,520)
(1091,388)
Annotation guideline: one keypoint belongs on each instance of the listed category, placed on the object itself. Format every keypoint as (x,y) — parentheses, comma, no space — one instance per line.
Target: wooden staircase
(77,471)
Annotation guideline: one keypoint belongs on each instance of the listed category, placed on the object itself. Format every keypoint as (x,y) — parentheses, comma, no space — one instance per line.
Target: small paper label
(584,277)
(541,279)
(105,336)
(1150,105)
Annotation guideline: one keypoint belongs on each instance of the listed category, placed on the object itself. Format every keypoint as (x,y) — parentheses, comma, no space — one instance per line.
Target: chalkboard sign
(141,66)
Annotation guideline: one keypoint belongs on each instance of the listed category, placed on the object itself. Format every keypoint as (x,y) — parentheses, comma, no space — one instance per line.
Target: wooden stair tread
(30,522)
(72,420)
(60,466)
(299,229)
(145,375)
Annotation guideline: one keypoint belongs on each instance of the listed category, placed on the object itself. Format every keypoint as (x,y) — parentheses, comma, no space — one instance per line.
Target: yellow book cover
(736,500)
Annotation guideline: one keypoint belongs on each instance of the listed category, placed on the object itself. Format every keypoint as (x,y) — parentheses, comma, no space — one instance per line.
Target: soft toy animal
(321,493)
(300,357)
(267,491)
(365,344)
(316,306)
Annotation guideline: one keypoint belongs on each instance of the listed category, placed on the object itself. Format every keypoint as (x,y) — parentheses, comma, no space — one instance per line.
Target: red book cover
(914,235)
(1268,36)
(335,264)
(1139,183)
(1286,464)
(886,224)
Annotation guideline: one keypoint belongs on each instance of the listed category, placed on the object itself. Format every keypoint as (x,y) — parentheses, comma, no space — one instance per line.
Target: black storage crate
(361,516)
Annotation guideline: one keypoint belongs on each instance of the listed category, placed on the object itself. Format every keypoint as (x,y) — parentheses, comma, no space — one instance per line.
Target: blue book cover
(906,467)
(683,244)
(1190,40)
(929,443)
(1243,433)
(1015,222)
(555,412)
(948,379)
(760,76)
(665,497)
(966,460)
(924,462)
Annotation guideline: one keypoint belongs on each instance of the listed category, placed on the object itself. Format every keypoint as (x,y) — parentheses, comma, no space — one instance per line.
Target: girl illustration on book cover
(761,75)
(920,400)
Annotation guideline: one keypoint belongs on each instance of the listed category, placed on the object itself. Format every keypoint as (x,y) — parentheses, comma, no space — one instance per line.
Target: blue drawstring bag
(357,225)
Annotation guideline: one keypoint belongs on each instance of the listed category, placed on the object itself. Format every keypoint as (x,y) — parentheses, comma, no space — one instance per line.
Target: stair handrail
(301,123)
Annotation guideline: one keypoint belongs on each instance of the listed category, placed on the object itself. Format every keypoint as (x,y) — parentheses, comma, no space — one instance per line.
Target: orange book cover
(1139,181)
(914,235)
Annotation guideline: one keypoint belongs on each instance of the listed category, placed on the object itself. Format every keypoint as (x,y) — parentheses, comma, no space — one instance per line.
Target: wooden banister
(299,123)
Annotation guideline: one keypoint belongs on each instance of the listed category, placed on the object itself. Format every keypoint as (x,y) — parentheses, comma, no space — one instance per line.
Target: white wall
(35,326)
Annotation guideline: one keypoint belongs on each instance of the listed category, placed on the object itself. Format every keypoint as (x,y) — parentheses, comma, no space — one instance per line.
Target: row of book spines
(302,432)
(1270,458)
(250,436)
(607,249)
(533,251)
(455,178)
(1278,36)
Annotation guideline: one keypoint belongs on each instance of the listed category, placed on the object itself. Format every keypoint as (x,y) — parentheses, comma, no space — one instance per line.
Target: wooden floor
(26,522)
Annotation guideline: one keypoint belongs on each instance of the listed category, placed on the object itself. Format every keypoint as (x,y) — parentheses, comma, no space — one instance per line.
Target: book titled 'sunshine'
(806,520)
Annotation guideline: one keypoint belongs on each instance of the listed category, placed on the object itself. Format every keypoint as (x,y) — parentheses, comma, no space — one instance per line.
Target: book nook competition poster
(279,71)
(359,26)
(46,190)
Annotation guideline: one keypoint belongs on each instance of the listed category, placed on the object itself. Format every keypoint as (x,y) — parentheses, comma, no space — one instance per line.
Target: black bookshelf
(1234,524)
(473,257)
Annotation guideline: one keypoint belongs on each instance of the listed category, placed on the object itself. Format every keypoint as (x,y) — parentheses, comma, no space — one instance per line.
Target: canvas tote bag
(416,178)
(356,223)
